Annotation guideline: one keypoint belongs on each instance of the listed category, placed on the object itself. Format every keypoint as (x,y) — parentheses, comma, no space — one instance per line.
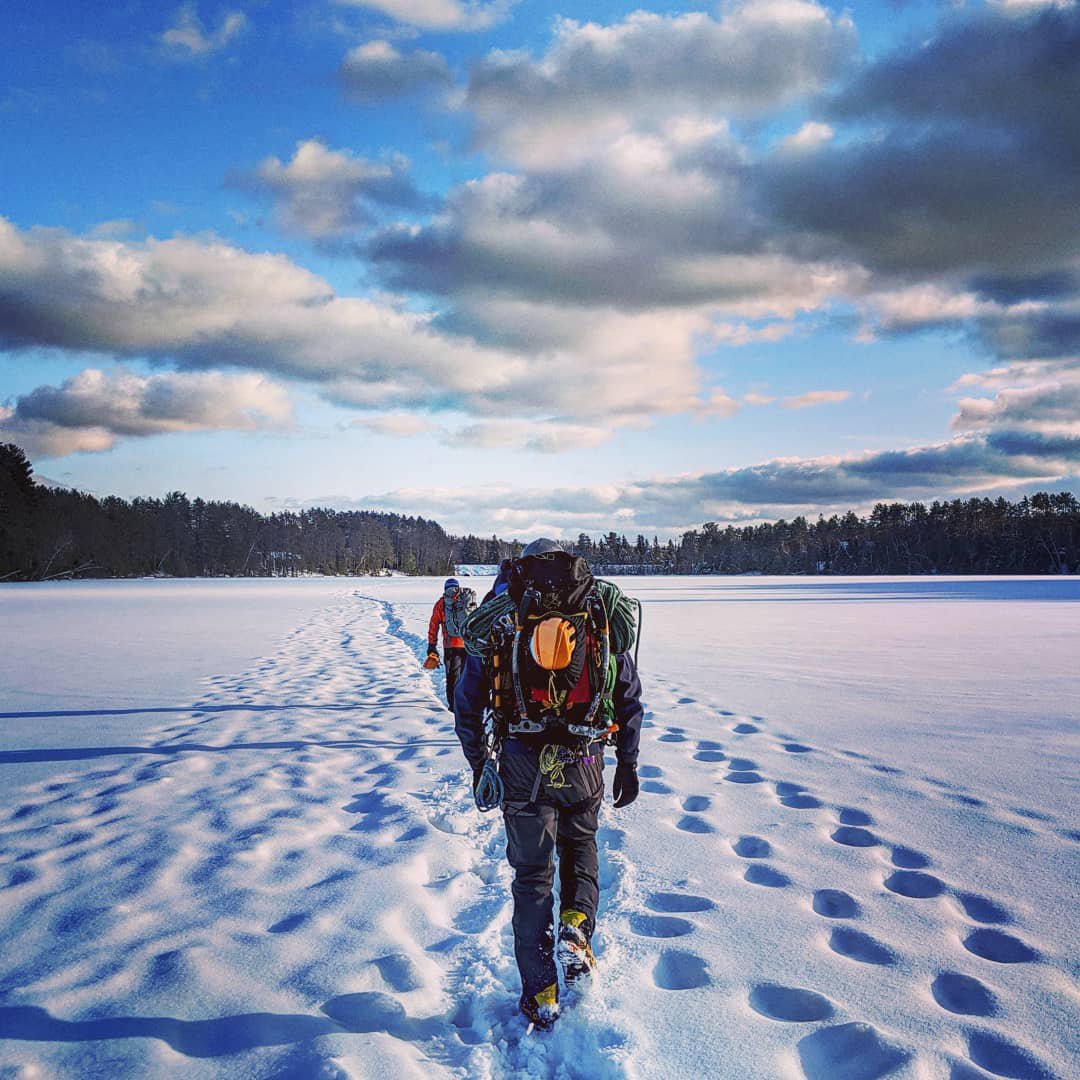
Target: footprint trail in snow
(291,880)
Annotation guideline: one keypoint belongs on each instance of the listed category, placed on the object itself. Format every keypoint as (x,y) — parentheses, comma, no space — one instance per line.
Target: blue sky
(528,268)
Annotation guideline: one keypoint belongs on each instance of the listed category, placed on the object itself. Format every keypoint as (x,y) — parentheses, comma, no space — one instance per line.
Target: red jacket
(438,622)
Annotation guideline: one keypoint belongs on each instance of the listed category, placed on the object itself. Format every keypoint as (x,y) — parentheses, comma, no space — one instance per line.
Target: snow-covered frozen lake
(236,839)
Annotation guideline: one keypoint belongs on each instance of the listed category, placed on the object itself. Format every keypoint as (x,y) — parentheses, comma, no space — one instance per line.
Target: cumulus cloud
(957,176)
(922,197)
(1043,398)
(634,193)
(326,193)
(377,71)
(637,225)
(600,82)
(187,38)
(816,397)
(440,14)
(657,221)
(925,304)
(203,304)
(1048,330)
(92,410)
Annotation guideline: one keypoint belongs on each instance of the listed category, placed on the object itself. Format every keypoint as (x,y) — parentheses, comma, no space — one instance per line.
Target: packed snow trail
(291,880)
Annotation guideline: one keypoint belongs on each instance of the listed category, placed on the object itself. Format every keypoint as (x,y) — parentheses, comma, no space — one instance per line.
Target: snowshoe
(573,950)
(542,1009)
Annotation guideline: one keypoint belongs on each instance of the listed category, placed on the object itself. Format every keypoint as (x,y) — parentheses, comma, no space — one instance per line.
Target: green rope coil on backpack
(624,616)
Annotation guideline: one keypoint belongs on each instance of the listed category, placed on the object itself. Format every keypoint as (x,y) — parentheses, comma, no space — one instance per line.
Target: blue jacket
(472,693)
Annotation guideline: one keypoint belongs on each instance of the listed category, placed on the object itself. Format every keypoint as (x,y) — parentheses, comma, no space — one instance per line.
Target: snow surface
(235,838)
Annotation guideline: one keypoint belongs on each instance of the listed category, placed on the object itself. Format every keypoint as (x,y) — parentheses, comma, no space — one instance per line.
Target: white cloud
(598,82)
(815,397)
(326,193)
(1039,397)
(933,303)
(188,39)
(203,304)
(1017,373)
(94,408)
(377,70)
(809,137)
(718,405)
(652,224)
(396,425)
(440,14)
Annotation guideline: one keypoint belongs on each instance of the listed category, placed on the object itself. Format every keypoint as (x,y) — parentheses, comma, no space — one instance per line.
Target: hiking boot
(542,1009)
(573,949)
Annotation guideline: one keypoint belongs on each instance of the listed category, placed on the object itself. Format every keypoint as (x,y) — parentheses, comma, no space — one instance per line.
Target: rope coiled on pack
(624,617)
(489,788)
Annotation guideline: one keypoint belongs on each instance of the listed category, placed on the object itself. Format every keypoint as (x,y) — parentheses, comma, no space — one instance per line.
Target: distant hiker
(449,615)
(550,670)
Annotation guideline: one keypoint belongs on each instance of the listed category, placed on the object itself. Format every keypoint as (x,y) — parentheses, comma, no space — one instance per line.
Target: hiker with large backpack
(548,683)
(448,617)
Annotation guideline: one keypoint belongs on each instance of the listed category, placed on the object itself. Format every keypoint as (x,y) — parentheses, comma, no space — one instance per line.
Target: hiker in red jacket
(448,615)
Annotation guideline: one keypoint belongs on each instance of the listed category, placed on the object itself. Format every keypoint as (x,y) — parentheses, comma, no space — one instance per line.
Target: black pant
(543,822)
(455,664)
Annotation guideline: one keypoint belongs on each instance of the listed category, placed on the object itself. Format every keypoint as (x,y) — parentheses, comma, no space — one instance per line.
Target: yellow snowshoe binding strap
(572,918)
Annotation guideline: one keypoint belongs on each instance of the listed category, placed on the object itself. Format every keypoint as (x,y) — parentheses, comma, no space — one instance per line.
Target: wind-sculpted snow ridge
(290,880)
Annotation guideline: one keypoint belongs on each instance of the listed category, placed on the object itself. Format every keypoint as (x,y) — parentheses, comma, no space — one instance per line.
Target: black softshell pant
(454,660)
(545,823)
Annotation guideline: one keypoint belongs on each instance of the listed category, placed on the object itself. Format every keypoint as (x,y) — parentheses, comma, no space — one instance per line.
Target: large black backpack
(552,591)
(556,580)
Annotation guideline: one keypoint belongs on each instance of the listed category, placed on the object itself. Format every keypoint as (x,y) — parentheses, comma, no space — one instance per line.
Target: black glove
(625,788)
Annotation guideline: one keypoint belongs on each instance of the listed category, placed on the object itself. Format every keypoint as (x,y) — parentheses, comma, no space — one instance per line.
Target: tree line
(48,533)
(1039,534)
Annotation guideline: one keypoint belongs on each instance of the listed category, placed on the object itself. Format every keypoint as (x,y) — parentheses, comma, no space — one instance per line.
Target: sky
(531,268)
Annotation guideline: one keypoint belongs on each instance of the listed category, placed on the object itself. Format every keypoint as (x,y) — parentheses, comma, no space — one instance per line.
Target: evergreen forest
(49,533)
